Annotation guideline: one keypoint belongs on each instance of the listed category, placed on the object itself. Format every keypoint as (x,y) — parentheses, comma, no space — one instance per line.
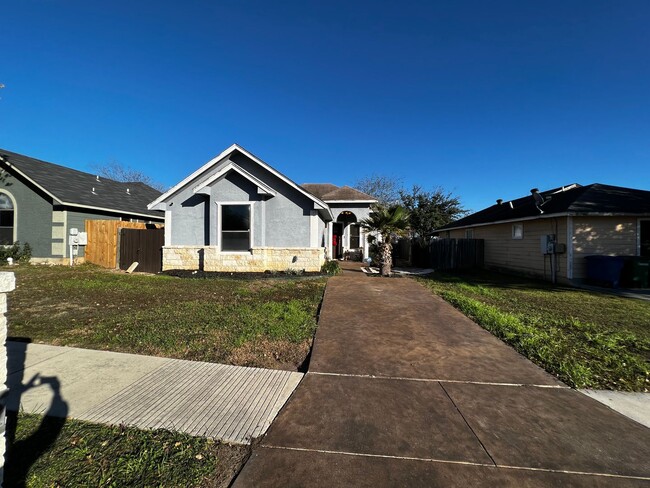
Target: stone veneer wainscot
(257,260)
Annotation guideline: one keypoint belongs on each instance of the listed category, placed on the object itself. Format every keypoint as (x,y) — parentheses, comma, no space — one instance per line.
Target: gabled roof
(223,156)
(594,199)
(67,186)
(262,188)
(337,194)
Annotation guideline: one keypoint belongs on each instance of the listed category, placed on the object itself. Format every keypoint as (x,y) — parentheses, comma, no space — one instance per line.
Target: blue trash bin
(605,269)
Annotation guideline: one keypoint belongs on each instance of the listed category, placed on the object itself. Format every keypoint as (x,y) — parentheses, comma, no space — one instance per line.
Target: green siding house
(40,202)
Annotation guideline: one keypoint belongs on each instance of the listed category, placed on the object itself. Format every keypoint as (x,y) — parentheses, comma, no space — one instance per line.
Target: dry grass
(265,323)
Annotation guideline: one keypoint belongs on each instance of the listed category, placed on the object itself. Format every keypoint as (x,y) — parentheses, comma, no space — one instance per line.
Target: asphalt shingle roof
(329,192)
(576,200)
(74,187)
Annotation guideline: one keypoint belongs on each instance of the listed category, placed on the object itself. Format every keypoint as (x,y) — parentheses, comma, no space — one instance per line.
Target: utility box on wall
(547,244)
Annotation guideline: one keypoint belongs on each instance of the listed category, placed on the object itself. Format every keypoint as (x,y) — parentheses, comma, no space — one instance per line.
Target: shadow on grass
(23,454)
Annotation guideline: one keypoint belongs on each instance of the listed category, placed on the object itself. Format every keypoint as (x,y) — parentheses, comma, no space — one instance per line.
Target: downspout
(569,248)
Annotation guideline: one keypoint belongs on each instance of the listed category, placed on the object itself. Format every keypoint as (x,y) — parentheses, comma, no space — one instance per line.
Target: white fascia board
(321,204)
(112,210)
(191,177)
(351,201)
(262,188)
(14,168)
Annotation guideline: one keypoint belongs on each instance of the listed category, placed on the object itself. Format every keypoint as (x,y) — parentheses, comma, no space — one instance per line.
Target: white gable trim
(262,188)
(320,204)
(350,201)
(14,168)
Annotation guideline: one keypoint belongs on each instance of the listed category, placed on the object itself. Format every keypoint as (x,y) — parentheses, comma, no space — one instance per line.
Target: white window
(236,227)
(6,220)
(517,231)
(354,236)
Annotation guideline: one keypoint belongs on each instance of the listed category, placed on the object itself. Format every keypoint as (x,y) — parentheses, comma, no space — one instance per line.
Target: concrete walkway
(403,390)
(230,403)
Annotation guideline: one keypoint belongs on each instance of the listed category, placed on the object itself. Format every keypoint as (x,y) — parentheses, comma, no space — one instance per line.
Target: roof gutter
(111,210)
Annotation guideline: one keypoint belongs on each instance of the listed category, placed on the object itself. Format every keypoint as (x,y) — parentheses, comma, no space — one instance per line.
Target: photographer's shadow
(24,452)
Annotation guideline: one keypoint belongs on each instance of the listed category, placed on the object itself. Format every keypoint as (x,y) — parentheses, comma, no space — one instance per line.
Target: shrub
(331,268)
(294,272)
(15,252)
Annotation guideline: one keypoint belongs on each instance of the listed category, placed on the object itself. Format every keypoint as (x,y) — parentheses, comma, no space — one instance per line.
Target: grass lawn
(587,339)
(263,323)
(46,451)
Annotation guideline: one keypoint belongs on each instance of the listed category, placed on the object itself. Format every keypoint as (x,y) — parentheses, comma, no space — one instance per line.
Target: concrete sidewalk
(403,390)
(230,403)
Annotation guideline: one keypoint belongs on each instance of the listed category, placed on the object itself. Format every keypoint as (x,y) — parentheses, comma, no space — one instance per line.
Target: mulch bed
(185,273)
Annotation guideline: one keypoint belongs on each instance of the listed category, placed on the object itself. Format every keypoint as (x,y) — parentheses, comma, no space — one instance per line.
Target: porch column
(364,238)
(328,244)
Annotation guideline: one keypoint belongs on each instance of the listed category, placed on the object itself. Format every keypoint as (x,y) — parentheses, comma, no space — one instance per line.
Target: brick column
(7,284)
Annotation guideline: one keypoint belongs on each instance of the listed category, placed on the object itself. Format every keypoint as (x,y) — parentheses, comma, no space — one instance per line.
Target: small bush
(294,272)
(15,252)
(331,268)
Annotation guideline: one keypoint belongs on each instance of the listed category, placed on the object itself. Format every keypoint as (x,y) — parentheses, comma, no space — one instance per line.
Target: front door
(644,238)
(337,240)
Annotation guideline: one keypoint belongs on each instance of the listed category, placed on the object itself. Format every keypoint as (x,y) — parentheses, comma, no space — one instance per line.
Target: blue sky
(486,99)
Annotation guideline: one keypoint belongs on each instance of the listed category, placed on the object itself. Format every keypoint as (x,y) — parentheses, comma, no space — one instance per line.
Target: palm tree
(388,222)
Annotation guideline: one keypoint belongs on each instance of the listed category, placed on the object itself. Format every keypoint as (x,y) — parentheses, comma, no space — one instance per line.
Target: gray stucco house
(237,213)
(40,202)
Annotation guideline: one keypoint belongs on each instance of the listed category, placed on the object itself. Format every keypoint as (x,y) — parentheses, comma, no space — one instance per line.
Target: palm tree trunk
(386,258)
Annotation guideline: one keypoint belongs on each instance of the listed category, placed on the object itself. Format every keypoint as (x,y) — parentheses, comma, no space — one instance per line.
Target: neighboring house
(238,214)
(550,233)
(40,202)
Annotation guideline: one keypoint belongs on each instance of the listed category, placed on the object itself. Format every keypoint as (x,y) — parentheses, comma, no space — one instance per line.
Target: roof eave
(546,216)
(235,147)
(24,175)
(111,210)
(351,201)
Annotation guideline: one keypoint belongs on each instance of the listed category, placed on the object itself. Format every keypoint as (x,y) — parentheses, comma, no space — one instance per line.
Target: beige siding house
(549,234)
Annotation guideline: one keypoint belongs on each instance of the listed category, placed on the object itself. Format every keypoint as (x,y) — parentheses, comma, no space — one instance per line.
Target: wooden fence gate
(143,246)
(103,238)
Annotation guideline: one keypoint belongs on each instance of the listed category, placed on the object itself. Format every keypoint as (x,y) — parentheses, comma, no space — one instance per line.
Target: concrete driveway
(403,390)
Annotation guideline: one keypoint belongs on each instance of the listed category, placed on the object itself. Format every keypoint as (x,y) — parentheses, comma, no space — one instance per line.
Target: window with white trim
(6,220)
(236,227)
(517,231)
(355,241)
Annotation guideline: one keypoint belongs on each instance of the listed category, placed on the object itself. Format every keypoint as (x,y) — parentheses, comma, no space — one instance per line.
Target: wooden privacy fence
(103,240)
(448,254)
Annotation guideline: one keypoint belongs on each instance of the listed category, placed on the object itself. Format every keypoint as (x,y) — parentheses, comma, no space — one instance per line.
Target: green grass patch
(587,339)
(45,452)
(196,319)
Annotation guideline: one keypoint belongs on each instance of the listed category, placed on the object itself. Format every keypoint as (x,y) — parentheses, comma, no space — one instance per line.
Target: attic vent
(511,205)
(97,177)
(93,192)
(499,201)
(128,191)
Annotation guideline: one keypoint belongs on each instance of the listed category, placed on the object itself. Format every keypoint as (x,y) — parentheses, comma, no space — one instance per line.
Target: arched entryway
(345,234)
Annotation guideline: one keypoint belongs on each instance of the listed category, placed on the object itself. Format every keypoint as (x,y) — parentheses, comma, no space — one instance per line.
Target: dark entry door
(644,238)
(143,246)
(337,241)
